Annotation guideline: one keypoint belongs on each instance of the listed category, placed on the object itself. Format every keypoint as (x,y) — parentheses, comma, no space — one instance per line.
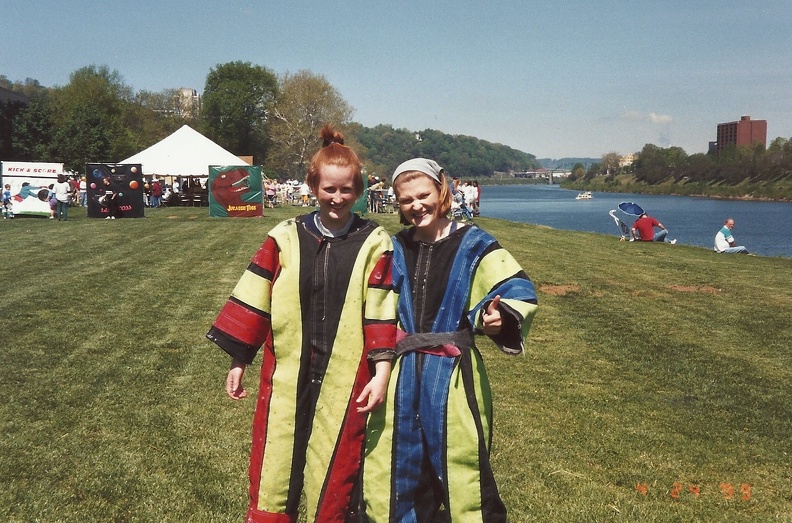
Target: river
(765,228)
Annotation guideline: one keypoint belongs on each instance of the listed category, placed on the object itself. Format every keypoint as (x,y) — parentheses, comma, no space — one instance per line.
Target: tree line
(755,170)
(461,156)
(245,108)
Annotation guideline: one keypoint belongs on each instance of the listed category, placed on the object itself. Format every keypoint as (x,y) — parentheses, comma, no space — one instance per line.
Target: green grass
(648,365)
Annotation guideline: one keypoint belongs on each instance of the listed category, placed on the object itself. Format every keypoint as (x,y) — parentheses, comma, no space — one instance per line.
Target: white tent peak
(186,152)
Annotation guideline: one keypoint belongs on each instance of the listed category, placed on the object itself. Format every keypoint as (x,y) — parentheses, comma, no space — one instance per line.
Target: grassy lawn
(655,385)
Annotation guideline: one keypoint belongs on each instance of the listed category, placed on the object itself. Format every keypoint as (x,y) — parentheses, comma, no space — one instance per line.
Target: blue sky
(555,79)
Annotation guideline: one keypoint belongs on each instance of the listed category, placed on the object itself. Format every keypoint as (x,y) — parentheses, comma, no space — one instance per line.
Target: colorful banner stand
(235,191)
(125,179)
(30,182)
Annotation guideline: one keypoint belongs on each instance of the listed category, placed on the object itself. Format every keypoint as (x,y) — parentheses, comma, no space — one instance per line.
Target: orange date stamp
(678,491)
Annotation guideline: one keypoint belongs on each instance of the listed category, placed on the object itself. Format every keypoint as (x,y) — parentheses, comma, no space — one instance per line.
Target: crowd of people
(465,197)
(157,192)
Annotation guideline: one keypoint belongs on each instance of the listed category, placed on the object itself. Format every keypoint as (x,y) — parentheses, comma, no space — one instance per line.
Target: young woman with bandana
(429,447)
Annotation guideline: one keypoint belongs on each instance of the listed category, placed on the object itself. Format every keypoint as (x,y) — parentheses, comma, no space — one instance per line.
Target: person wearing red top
(156,193)
(643,230)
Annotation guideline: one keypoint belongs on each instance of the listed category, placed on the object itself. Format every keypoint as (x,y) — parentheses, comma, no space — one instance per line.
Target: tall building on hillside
(742,132)
(189,102)
(626,160)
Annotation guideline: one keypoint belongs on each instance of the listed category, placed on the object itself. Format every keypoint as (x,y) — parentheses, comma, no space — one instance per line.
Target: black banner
(115,190)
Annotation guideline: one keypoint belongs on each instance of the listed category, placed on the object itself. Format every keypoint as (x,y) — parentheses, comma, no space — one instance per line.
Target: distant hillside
(567,163)
(462,156)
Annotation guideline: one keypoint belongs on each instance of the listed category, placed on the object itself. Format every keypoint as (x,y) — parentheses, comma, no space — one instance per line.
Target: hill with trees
(462,156)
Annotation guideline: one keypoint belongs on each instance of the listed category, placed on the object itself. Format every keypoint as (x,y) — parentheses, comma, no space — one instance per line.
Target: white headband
(428,167)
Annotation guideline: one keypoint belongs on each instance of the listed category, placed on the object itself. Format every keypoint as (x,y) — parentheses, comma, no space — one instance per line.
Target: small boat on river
(584,196)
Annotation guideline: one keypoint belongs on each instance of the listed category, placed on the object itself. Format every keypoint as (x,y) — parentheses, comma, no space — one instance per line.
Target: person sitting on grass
(724,241)
(643,230)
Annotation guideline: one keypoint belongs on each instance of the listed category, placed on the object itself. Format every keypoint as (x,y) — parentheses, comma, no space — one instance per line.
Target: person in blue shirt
(8,206)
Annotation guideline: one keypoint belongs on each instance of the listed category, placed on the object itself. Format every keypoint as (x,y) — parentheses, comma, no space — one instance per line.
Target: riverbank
(779,190)
(654,386)
(764,227)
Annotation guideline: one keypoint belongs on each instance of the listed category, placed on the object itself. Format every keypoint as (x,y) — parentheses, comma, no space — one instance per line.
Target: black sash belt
(424,340)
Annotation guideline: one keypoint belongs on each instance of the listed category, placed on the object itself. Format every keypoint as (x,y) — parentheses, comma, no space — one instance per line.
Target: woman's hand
(491,318)
(234,387)
(374,391)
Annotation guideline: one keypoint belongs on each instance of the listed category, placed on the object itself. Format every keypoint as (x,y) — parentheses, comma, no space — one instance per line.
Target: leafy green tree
(237,102)
(305,103)
(32,138)
(676,161)
(96,86)
(593,170)
(701,168)
(84,138)
(9,111)
(650,166)
(385,146)
(778,158)
(97,96)
(578,171)
(609,163)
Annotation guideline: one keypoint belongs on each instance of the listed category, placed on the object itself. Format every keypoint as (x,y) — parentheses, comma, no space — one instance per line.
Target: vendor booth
(181,161)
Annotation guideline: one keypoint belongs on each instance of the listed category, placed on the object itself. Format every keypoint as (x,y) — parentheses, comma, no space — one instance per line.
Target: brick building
(742,132)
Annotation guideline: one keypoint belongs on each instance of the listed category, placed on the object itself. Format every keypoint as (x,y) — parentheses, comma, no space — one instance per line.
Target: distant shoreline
(737,193)
(640,189)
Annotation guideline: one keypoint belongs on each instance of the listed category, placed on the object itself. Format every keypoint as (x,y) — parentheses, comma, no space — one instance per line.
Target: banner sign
(125,181)
(235,191)
(30,182)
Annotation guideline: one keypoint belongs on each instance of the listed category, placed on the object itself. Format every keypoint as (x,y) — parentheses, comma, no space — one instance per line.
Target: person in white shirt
(62,191)
(83,192)
(724,241)
(305,193)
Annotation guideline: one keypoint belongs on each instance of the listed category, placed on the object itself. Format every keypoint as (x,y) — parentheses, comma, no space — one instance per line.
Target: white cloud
(659,118)
(636,116)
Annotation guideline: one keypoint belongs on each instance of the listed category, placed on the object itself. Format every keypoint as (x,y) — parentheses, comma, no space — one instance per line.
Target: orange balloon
(133,184)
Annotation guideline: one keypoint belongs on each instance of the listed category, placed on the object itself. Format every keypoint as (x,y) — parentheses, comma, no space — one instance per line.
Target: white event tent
(184,153)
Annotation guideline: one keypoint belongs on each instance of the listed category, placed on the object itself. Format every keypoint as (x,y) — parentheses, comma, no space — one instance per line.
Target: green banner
(235,191)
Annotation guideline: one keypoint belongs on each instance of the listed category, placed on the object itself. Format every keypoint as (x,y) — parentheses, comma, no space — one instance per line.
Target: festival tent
(185,153)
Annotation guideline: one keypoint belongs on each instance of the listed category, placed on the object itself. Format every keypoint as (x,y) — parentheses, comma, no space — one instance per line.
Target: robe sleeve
(499,274)
(244,323)
(379,323)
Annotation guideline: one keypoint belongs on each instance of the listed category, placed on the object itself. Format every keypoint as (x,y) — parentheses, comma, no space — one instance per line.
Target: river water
(765,228)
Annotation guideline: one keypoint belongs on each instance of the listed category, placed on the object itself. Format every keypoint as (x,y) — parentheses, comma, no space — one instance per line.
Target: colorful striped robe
(430,446)
(322,308)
